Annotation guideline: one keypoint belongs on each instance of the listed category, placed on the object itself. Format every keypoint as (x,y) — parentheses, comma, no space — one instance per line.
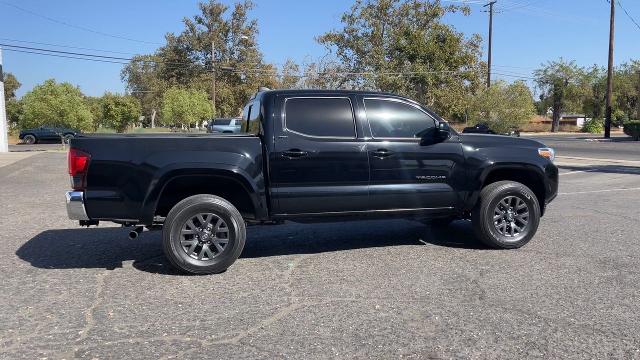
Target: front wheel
(506,216)
(67,138)
(203,234)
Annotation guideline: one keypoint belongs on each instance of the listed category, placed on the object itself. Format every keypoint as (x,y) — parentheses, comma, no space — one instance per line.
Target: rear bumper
(75,206)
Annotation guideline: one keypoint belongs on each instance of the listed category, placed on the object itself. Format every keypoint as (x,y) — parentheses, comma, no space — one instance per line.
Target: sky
(527,33)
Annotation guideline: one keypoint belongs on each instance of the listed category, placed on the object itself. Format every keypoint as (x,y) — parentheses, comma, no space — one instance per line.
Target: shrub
(632,128)
(593,126)
(619,117)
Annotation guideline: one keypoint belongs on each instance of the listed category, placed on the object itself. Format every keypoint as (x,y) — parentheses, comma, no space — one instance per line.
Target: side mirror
(437,134)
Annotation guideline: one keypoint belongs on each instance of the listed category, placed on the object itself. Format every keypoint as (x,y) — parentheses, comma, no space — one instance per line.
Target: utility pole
(4,141)
(490,5)
(638,109)
(607,121)
(213,75)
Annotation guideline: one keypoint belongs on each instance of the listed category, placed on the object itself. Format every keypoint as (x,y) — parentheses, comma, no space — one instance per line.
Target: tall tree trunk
(153,119)
(558,94)
(555,124)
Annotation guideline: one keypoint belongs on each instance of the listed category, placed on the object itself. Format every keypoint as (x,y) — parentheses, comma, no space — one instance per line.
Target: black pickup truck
(310,155)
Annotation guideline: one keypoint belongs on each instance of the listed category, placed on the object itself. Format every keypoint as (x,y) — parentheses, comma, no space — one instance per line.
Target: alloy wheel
(511,216)
(204,236)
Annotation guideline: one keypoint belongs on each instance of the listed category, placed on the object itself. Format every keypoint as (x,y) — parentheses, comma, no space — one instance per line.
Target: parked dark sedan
(483,128)
(47,133)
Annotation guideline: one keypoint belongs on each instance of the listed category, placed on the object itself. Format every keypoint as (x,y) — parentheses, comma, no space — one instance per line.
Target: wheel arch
(528,175)
(229,183)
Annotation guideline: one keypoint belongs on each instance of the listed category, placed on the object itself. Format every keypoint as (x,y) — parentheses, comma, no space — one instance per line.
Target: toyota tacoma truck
(310,156)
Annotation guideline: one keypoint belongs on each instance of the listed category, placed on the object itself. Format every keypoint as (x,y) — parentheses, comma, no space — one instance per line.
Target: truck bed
(127,172)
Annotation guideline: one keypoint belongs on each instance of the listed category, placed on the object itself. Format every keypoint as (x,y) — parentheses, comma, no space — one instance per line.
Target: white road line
(577,172)
(636,162)
(598,191)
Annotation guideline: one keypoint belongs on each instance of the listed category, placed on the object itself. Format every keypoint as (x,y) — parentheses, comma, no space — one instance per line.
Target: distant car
(225,126)
(483,128)
(47,133)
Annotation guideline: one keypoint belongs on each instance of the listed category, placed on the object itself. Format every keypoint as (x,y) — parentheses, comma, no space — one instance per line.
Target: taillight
(78,166)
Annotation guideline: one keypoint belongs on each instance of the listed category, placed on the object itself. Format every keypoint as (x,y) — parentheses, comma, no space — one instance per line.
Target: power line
(254,71)
(65,56)
(66,46)
(96,56)
(78,27)
(628,15)
(519,5)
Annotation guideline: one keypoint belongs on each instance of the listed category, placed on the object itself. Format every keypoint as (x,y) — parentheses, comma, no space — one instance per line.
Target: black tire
(501,233)
(67,138)
(29,139)
(176,223)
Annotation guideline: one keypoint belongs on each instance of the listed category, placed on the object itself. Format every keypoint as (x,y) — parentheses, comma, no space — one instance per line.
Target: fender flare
(475,190)
(172,172)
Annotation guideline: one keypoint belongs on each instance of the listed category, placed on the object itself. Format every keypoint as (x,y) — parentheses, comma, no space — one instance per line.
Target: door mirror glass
(439,133)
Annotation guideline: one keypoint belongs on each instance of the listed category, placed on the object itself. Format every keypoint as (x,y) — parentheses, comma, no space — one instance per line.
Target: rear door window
(330,117)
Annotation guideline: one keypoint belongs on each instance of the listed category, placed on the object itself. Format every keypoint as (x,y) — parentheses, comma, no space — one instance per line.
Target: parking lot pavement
(581,145)
(347,290)
(8,158)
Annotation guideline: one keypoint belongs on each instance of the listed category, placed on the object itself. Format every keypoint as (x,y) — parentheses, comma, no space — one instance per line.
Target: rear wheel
(507,215)
(67,138)
(203,234)
(29,139)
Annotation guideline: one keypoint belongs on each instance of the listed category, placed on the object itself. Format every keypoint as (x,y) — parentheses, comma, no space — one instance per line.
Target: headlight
(548,153)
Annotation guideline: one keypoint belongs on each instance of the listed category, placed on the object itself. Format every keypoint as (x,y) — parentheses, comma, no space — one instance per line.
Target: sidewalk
(11,157)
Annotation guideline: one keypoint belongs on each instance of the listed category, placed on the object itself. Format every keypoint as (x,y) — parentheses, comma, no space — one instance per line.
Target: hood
(486,140)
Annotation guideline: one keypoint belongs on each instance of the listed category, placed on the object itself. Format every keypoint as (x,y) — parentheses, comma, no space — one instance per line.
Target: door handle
(382,153)
(294,153)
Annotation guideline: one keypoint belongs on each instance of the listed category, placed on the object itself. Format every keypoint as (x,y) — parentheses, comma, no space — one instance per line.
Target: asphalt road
(580,145)
(383,289)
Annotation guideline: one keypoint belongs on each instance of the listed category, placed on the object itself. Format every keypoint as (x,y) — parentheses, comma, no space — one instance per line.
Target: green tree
(55,104)
(14,111)
(626,89)
(119,111)
(94,103)
(11,84)
(561,83)
(404,46)
(290,76)
(594,87)
(503,106)
(143,78)
(186,60)
(181,107)
(13,105)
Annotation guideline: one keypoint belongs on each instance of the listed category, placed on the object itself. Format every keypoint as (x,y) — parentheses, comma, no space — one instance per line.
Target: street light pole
(4,141)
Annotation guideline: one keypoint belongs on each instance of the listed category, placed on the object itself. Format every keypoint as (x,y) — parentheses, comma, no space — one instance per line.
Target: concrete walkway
(11,157)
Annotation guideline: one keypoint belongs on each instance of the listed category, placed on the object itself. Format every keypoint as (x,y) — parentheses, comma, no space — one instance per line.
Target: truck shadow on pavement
(109,248)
